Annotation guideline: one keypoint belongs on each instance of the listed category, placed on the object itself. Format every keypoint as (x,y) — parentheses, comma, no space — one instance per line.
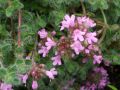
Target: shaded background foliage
(48,14)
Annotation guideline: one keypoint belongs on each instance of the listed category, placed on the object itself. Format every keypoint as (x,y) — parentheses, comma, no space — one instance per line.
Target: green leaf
(2,72)
(3,32)
(71,66)
(61,71)
(21,67)
(9,11)
(112,87)
(11,78)
(97,4)
(115,27)
(16,5)
(41,22)
(12,68)
(3,1)
(116,2)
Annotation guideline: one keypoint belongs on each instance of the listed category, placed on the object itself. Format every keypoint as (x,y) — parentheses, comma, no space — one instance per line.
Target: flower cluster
(37,72)
(79,40)
(46,44)
(82,41)
(98,79)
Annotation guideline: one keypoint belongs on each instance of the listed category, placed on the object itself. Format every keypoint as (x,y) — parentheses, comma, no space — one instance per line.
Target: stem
(105,28)
(104,17)
(13,35)
(83,7)
(34,51)
(19,26)
(1,65)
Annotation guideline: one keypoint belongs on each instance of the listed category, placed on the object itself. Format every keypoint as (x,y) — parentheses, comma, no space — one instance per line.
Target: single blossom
(34,85)
(24,78)
(27,57)
(102,83)
(93,87)
(107,62)
(68,22)
(82,88)
(5,86)
(78,35)
(93,47)
(39,44)
(84,60)
(42,33)
(77,47)
(53,33)
(97,59)
(91,37)
(44,51)
(86,22)
(56,60)
(50,43)
(51,73)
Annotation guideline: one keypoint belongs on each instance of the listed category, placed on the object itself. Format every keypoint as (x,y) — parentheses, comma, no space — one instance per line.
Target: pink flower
(53,33)
(42,33)
(93,47)
(78,35)
(68,22)
(84,60)
(57,60)
(103,71)
(34,85)
(107,63)
(97,59)
(4,86)
(82,88)
(85,21)
(93,87)
(50,43)
(102,83)
(39,44)
(77,47)
(104,77)
(24,78)
(91,37)
(87,51)
(99,74)
(44,51)
(51,73)
(27,57)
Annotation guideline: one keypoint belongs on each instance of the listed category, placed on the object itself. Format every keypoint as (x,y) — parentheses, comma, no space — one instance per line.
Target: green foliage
(98,4)
(14,6)
(22,67)
(37,14)
(71,66)
(2,72)
(3,32)
(112,87)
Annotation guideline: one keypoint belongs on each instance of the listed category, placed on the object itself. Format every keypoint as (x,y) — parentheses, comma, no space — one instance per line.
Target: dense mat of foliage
(59,44)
